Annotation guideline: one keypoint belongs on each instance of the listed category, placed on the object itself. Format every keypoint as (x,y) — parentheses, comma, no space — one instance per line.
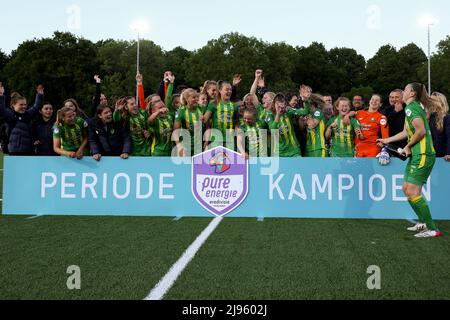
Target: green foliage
(222,58)
(440,67)
(66,64)
(176,61)
(391,69)
(3,61)
(118,66)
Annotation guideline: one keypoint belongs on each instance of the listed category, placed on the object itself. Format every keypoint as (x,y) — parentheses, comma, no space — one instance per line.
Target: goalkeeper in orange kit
(374,126)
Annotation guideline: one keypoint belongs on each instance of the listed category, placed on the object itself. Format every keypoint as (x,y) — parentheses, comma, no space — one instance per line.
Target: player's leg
(416,176)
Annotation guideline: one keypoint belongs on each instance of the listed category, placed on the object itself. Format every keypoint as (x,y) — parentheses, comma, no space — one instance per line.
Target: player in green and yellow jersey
(343,135)
(250,140)
(70,134)
(189,118)
(224,115)
(422,156)
(162,124)
(315,139)
(136,120)
(287,144)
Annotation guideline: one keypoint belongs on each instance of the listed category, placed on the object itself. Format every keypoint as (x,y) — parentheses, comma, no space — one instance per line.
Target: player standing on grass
(423,156)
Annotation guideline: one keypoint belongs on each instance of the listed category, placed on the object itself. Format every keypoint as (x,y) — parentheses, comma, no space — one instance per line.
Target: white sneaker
(418,227)
(429,234)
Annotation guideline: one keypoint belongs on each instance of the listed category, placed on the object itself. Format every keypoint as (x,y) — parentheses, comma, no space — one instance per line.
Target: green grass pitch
(124,258)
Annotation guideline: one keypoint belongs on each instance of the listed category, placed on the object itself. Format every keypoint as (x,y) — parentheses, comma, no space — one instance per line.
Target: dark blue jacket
(43,132)
(441,140)
(20,126)
(112,140)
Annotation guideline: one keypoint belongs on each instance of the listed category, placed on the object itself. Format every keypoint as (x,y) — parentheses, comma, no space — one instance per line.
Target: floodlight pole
(429,57)
(137,65)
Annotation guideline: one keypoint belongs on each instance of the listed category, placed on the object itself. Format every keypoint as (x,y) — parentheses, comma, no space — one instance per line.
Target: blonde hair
(254,98)
(184,96)
(338,101)
(271,95)
(61,114)
(440,109)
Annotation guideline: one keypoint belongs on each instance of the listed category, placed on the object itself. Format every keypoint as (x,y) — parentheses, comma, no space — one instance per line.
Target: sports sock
(422,210)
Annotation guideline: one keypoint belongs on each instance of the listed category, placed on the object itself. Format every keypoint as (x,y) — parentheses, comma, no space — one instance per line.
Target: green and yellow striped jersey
(425,146)
(254,145)
(316,137)
(162,136)
(71,136)
(288,144)
(224,117)
(343,137)
(191,120)
(140,145)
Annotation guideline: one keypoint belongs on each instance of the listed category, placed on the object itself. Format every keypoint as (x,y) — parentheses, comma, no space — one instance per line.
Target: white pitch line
(175,271)
(35,217)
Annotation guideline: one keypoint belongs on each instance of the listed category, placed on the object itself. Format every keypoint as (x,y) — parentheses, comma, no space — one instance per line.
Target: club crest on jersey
(219,180)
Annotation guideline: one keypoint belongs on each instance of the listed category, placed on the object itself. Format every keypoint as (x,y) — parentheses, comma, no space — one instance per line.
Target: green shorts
(321,153)
(419,169)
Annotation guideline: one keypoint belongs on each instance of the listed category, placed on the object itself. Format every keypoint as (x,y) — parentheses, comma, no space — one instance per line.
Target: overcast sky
(359,24)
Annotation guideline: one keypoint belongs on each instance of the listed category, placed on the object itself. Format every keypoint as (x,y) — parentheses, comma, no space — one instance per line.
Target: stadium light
(141,27)
(428,21)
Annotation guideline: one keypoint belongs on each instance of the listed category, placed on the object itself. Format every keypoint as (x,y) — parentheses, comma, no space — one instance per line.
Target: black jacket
(112,140)
(20,126)
(441,140)
(43,132)
(396,122)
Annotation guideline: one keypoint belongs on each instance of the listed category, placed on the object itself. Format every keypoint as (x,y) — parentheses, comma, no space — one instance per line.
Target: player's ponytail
(429,103)
(61,114)
(317,101)
(184,96)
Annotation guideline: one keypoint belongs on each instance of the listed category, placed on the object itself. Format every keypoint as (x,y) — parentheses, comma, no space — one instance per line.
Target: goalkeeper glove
(383,157)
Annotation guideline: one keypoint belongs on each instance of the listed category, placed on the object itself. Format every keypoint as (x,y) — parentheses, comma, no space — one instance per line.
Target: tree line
(65,65)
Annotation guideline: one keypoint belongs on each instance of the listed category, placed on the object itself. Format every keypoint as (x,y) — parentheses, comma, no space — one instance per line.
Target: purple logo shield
(219,180)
